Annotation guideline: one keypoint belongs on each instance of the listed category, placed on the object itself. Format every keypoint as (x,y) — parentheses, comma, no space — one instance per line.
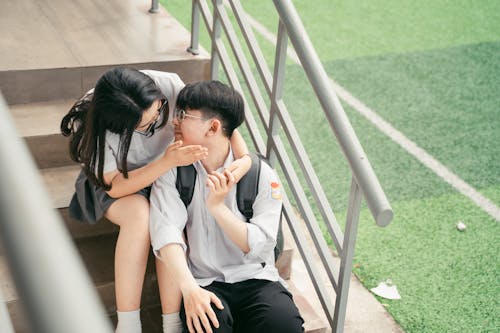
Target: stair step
(312,322)
(67,45)
(150,305)
(38,124)
(60,183)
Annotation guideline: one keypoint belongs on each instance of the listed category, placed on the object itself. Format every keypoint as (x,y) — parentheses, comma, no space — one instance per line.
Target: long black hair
(116,105)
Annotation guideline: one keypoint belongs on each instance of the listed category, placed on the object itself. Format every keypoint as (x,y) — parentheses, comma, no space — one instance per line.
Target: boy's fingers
(190,325)
(197,325)
(230,177)
(218,303)
(206,323)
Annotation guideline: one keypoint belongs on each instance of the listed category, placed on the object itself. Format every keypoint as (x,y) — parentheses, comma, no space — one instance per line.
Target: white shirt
(212,256)
(143,149)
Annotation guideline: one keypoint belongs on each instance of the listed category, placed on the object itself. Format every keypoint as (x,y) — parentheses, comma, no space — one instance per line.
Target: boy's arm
(236,229)
(168,218)
(257,239)
(196,300)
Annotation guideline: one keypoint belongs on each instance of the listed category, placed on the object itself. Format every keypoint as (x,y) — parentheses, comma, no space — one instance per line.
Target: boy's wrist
(216,209)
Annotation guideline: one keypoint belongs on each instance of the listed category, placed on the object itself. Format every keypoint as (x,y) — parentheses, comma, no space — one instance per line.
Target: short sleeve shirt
(145,149)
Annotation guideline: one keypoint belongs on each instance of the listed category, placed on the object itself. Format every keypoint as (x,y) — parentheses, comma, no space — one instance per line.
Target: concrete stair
(53,51)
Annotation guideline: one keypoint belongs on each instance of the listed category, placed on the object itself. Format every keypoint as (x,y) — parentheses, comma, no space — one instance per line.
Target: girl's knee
(130,213)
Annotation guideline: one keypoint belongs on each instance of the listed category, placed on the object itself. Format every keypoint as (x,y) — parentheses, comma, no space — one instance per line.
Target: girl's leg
(171,297)
(131,213)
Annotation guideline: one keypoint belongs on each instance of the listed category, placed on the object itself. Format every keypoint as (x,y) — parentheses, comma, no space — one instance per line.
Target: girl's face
(150,117)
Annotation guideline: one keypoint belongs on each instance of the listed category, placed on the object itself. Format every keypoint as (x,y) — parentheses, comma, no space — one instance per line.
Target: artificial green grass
(448,280)
(350,29)
(446,101)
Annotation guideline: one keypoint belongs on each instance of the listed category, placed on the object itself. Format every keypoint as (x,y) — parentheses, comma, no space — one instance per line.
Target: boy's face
(191,126)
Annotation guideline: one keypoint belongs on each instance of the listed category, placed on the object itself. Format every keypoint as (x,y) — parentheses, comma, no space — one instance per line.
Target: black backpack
(246,192)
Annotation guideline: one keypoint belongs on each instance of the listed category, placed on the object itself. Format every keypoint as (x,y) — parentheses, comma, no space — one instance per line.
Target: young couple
(215,271)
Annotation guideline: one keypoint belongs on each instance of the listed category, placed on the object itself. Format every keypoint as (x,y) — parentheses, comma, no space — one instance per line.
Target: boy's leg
(265,306)
(224,316)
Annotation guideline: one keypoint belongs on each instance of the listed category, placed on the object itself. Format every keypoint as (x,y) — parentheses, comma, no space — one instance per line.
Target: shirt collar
(229,159)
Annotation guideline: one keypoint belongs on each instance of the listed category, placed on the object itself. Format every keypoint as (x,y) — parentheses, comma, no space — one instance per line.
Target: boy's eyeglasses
(181,114)
(152,125)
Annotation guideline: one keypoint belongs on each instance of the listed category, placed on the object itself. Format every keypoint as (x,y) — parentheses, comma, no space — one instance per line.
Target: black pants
(259,306)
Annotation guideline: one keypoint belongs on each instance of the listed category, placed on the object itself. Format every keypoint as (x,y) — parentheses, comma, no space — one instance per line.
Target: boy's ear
(215,125)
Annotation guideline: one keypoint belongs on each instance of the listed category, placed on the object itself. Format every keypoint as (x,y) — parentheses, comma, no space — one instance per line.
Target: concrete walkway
(364,313)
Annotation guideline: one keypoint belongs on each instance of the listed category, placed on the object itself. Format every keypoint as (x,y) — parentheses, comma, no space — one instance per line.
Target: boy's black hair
(214,99)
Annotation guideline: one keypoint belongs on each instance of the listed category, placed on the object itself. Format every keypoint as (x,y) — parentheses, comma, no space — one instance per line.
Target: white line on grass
(396,136)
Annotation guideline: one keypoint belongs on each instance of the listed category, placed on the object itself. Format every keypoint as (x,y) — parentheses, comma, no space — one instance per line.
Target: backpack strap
(248,187)
(186,179)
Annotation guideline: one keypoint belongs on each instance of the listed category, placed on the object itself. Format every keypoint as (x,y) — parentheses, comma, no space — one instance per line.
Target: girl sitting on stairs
(122,135)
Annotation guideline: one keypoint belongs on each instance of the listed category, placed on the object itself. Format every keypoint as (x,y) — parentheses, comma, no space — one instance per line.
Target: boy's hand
(219,184)
(199,312)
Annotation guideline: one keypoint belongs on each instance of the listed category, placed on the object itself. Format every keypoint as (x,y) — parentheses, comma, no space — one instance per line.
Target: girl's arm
(243,162)
(140,178)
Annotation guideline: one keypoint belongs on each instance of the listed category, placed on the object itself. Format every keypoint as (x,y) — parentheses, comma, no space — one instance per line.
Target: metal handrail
(361,167)
(57,292)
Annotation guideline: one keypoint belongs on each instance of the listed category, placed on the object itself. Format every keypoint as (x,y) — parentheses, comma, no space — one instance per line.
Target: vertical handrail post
(155,8)
(216,36)
(277,90)
(347,256)
(195,29)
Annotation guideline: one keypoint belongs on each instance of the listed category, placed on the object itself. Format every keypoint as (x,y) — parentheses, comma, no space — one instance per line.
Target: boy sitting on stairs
(223,266)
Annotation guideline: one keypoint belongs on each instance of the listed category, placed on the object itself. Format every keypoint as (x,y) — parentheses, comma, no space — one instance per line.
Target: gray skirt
(90,202)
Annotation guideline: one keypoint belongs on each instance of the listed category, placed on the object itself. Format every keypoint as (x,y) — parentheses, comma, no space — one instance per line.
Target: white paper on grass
(386,291)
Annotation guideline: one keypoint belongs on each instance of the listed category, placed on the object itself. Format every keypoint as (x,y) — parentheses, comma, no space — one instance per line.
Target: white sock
(129,322)
(172,323)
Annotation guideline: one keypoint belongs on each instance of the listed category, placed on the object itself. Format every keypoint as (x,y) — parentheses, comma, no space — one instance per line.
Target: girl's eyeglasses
(152,125)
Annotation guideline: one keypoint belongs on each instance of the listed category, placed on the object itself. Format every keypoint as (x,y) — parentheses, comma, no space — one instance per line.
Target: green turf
(446,101)
(364,28)
(448,280)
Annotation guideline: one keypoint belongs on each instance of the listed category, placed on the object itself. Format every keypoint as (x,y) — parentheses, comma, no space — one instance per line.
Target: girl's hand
(240,167)
(185,155)
(219,184)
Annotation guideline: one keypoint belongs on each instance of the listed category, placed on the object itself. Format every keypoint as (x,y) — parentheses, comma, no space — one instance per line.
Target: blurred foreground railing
(56,291)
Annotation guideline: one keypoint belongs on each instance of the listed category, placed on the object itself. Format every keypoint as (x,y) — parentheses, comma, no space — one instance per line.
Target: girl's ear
(215,126)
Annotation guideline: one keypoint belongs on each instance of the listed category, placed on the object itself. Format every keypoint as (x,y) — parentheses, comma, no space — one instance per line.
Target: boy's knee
(282,320)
